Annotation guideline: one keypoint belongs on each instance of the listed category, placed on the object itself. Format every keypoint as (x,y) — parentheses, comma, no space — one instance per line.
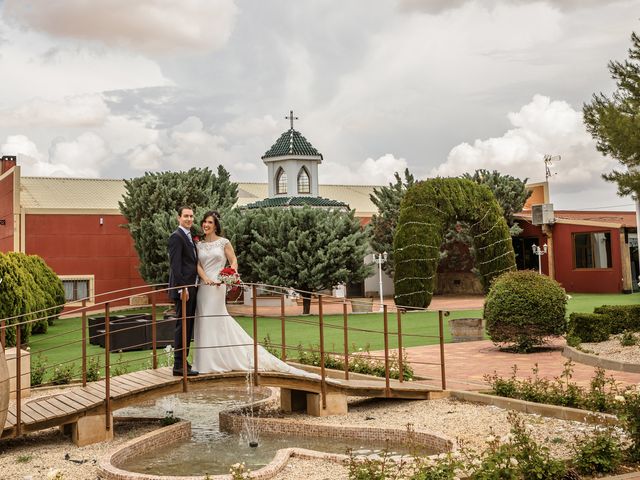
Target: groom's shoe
(177,372)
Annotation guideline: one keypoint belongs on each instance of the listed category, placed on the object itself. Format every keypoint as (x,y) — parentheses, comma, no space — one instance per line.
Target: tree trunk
(306,303)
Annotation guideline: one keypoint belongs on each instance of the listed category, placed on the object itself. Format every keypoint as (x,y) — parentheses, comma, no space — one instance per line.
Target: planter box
(361,305)
(466,329)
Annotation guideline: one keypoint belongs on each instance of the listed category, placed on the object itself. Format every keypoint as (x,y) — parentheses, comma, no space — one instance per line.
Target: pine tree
(304,248)
(614,122)
(150,206)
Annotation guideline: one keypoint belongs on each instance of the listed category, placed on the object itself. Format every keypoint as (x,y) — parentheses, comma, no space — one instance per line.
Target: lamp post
(539,252)
(380,258)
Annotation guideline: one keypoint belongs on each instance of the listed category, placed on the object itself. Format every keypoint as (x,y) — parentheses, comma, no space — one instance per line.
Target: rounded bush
(523,308)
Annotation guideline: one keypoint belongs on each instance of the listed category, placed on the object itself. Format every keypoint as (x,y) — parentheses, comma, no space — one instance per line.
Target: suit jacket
(183,261)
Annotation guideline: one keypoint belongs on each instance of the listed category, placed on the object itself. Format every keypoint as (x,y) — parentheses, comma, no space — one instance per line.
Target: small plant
(268,345)
(120,367)
(598,453)
(239,471)
(168,419)
(23,458)
(628,409)
(628,339)
(382,467)
(93,369)
(63,374)
(38,369)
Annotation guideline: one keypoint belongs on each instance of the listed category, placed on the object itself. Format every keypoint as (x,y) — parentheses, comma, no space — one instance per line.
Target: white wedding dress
(221,344)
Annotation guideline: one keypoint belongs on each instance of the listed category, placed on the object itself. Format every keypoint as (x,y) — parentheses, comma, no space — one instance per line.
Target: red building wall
(6,213)
(79,245)
(602,280)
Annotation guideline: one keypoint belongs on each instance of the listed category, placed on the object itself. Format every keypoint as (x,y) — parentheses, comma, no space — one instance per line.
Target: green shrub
(63,374)
(93,369)
(598,453)
(38,369)
(628,339)
(588,327)
(628,410)
(28,286)
(523,308)
(621,317)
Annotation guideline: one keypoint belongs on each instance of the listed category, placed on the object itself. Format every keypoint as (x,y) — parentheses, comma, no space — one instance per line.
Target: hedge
(606,320)
(28,286)
(427,211)
(588,327)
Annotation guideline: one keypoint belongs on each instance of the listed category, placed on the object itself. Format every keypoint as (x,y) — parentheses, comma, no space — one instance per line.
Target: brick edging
(596,361)
(542,409)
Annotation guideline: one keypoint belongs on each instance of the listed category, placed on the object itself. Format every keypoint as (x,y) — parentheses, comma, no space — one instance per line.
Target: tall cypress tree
(150,206)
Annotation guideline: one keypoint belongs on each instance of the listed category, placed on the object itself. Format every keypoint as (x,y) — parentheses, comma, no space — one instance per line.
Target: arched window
(281,182)
(303,181)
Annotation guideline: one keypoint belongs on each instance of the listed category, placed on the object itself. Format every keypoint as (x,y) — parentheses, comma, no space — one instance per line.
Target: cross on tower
(291,118)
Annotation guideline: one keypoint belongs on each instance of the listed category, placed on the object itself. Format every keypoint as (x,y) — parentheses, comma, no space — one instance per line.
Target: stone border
(542,409)
(597,361)
(232,421)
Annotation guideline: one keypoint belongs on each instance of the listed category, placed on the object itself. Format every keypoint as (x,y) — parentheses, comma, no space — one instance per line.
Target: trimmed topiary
(588,327)
(523,308)
(427,211)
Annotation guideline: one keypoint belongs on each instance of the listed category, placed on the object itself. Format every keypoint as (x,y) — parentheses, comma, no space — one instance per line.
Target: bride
(221,344)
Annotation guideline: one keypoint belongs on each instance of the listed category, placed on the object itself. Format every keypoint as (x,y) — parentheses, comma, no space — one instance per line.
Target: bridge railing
(153,292)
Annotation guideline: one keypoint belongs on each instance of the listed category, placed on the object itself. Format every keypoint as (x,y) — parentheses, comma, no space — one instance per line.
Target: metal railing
(16,323)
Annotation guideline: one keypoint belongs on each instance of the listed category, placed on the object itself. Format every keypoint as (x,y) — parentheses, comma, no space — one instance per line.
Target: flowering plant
(229,276)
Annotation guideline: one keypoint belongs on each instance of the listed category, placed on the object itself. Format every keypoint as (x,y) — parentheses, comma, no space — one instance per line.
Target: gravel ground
(36,454)
(613,350)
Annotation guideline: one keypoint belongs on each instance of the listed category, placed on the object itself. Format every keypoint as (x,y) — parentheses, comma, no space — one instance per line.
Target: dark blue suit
(183,261)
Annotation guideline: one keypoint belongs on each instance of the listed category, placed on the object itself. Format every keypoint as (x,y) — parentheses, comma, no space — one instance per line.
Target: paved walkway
(467,363)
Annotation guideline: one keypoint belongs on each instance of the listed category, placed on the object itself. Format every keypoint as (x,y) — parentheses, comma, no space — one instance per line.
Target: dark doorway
(525,259)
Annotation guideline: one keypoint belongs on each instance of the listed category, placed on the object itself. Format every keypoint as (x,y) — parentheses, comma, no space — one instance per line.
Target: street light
(539,252)
(380,258)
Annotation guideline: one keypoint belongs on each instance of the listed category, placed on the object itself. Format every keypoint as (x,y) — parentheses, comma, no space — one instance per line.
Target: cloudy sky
(114,88)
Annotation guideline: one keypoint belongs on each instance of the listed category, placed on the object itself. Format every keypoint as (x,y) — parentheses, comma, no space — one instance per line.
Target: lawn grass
(62,344)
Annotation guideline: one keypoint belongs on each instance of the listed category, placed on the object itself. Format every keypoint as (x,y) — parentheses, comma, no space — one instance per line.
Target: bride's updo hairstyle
(216,220)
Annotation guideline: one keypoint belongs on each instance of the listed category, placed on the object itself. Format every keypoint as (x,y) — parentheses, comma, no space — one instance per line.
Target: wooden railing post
(153,330)
(282,325)
(107,366)
(18,381)
(323,385)
(345,318)
(441,329)
(400,361)
(84,342)
(185,292)
(254,313)
(3,337)
(387,389)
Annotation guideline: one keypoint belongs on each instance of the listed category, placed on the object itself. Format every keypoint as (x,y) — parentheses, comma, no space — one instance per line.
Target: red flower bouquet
(229,276)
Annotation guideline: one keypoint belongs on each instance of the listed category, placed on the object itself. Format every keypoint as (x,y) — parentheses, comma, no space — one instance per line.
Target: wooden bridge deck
(131,388)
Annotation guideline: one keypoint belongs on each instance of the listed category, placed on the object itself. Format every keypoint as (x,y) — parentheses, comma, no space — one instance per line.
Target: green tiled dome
(291,142)
(297,202)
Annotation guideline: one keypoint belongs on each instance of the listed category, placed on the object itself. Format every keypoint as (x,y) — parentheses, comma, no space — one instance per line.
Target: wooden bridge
(86,410)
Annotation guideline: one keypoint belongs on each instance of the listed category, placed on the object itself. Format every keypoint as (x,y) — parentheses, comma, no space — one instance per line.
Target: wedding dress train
(221,344)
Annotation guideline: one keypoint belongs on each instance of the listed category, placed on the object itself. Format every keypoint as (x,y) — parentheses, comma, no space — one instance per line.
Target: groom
(183,261)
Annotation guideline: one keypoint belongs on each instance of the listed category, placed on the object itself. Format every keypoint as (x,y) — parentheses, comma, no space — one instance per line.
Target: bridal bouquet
(229,277)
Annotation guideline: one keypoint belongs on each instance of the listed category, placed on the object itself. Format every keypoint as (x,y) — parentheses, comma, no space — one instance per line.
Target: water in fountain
(249,426)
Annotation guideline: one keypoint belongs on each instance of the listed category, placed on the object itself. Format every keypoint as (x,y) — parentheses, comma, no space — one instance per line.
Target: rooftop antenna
(548,161)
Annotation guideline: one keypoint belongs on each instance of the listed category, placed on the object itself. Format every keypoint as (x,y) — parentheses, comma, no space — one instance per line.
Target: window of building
(303,181)
(592,250)
(281,182)
(78,287)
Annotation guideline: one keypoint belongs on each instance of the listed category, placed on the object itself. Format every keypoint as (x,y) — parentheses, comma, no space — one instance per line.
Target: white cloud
(86,156)
(76,111)
(156,26)
(541,127)
(439,6)
(370,172)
